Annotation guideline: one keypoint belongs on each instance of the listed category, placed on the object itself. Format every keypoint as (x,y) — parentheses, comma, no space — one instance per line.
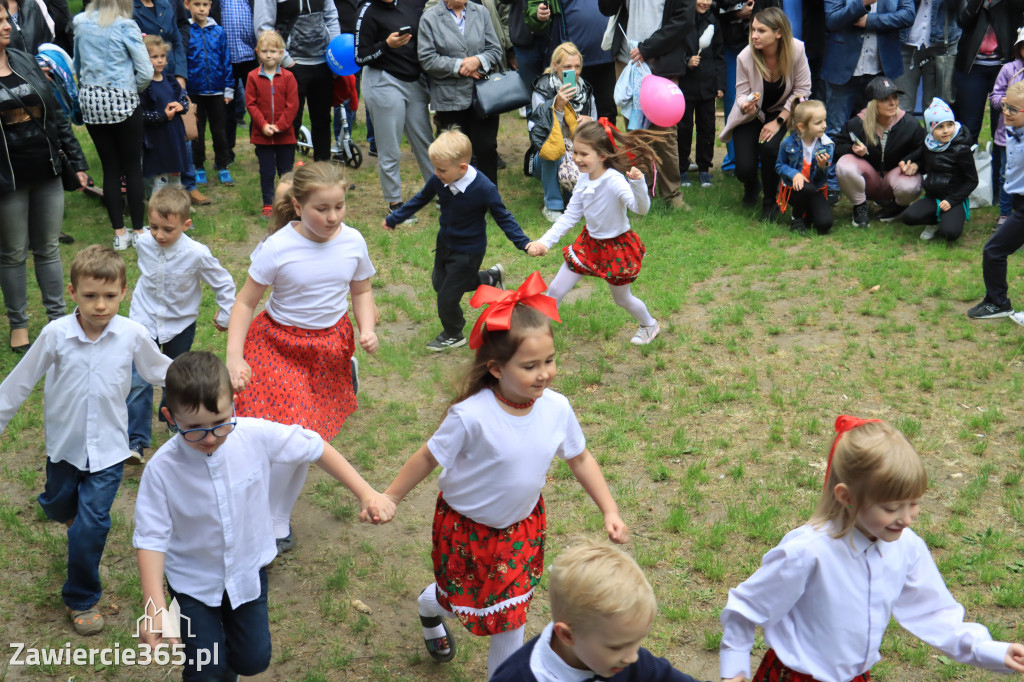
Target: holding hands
(240,373)
(377,508)
(536,249)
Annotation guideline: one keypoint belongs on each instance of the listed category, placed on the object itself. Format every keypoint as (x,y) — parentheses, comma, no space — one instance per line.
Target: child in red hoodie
(272,98)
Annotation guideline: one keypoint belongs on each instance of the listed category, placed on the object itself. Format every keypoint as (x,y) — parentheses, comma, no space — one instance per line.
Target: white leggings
(566,279)
(286,481)
(503,644)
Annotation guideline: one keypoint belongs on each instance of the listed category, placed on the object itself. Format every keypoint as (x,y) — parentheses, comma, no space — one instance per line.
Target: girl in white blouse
(825,595)
(609,183)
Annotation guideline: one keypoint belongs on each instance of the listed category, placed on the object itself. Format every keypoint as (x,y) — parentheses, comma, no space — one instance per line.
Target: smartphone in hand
(569,77)
(405,31)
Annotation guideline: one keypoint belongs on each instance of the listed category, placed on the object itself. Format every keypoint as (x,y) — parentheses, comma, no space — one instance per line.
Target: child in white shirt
(202,518)
(87,359)
(166,298)
(826,594)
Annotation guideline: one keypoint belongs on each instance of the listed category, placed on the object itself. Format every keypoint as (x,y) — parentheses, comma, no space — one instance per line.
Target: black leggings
(748,152)
(923,212)
(811,205)
(119,146)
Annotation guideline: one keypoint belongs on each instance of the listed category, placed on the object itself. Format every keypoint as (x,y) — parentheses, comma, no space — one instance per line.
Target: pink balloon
(662,101)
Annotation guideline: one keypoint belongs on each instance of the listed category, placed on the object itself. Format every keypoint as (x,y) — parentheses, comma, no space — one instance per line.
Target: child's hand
(379,508)
(823,159)
(384,224)
(536,249)
(908,167)
(269,130)
(798,182)
(240,373)
(369,342)
(227,101)
(155,637)
(171,109)
(944,206)
(1014,659)
(634,174)
(617,530)
(694,61)
(218,325)
(859,149)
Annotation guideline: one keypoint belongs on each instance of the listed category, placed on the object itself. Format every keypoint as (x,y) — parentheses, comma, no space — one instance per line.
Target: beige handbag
(189,119)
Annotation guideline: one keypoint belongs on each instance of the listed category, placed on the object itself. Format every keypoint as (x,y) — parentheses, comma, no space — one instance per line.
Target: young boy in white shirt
(202,518)
(87,358)
(173,268)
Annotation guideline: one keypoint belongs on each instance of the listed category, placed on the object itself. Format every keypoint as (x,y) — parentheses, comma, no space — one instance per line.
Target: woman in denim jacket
(112,66)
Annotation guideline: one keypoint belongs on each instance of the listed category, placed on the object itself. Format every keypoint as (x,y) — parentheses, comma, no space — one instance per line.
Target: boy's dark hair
(197,379)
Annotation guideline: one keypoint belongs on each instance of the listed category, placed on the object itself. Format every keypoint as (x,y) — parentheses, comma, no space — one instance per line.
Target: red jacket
(274,101)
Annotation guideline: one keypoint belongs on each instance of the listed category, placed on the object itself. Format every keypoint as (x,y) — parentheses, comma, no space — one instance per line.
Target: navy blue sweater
(464,215)
(648,668)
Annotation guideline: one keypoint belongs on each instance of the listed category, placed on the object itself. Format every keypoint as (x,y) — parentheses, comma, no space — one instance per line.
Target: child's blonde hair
(99,262)
(566,49)
(169,202)
(598,580)
(154,42)
(304,181)
(283,211)
(1016,89)
(877,464)
(802,109)
(269,38)
(451,146)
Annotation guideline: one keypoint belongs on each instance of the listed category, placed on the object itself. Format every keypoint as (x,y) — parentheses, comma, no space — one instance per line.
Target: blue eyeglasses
(219,431)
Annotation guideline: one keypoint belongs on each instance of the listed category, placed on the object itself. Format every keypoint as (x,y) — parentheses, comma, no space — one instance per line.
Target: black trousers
(274,160)
(702,113)
(316,87)
(119,146)
(602,80)
(454,274)
(482,133)
(211,108)
(1006,240)
(923,212)
(236,112)
(748,153)
(812,206)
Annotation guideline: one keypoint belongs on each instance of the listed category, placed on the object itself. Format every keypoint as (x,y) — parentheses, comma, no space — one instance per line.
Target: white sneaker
(1018,317)
(522,112)
(551,215)
(136,236)
(929,232)
(645,334)
(123,241)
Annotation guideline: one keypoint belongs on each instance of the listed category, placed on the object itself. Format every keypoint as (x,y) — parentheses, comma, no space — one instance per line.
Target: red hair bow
(608,128)
(498,315)
(844,423)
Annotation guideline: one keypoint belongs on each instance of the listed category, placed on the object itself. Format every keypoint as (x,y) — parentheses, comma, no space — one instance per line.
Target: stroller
(344,150)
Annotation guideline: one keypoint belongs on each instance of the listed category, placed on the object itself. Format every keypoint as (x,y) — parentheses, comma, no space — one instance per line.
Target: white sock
(625,299)
(286,481)
(503,645)
(429,606)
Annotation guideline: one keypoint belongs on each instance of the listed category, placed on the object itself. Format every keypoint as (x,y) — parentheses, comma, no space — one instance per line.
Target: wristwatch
(781,121)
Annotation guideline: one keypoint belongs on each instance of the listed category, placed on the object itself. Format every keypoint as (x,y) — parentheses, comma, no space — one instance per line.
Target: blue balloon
(341,55)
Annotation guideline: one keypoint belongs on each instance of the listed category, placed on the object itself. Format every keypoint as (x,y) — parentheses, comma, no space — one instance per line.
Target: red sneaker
(267,210)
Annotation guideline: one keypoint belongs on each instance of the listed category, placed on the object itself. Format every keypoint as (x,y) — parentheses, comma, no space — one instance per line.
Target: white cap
(1020,38)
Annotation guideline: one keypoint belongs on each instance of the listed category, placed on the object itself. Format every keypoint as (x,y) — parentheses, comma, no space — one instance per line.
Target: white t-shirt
(495,463)
(310,279)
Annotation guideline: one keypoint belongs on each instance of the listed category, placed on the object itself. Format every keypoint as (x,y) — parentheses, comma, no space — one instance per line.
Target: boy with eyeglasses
(202,518)
(1009,236)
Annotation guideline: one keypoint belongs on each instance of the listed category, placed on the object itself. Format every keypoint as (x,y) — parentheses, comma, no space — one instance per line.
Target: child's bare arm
(586,470)
(238,326)
(415,469)
(373,506)
(366,314)
(151,575)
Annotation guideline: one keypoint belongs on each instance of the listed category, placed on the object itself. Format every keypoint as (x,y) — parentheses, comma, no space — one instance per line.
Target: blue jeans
(240,636)
(140,399)
(547,172)
(531,62)
(728,163)
(86,497)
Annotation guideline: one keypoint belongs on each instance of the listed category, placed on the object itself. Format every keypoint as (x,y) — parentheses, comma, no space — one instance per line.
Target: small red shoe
(267,210)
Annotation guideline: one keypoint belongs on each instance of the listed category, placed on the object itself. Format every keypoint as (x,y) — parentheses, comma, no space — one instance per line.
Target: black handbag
(68,175)
(501,92)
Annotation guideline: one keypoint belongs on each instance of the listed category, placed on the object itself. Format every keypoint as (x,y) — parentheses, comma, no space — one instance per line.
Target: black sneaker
(797,225)
(497,275)
(287,543)
(989,311)
(770,213)
(444,342)
(861,215)
(684,179)
(66,238)
(890,212)
(750,192)
(355,375)
(833,197)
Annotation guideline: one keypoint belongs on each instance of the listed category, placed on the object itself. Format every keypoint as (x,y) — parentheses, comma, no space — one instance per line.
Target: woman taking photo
(770,72)
(112,66)
(31,192)
(457,45)
(871,149)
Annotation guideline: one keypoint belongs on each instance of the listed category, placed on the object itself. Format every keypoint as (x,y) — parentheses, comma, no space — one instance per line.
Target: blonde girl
(802,166)
(496,444)
(826,594)
(292,364)
(606,247)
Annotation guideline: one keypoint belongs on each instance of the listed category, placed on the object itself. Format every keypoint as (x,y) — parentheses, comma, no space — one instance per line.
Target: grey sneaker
(443,342)
(929,232)
(861,215)
(989,311)
(287,543)
(645,334)
(705,179)
(497,275)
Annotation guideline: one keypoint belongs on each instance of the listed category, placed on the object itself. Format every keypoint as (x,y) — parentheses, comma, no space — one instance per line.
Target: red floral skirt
(616,260)
(774,670)
(299,376)
(487,575)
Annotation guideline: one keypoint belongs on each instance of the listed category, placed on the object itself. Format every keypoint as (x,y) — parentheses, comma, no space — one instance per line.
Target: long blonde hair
(566,49)
(107,11)
(775,20)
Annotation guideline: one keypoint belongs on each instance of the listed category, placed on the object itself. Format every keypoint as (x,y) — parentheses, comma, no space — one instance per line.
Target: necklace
(517,406)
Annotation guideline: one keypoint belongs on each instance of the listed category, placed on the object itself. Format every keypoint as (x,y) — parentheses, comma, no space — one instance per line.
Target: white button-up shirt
(824,604)
(210,514)
(167,296)
(547,666)
(87,383)
(463,183)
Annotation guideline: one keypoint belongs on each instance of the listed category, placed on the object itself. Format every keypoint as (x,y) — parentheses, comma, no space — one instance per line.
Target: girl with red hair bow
(495,445)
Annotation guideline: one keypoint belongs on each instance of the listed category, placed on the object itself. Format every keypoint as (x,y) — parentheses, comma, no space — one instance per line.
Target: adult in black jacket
(663,51)
(947,162)
(31,193)
(703,84)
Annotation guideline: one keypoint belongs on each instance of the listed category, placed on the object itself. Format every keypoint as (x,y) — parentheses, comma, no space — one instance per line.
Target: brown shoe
(198,199)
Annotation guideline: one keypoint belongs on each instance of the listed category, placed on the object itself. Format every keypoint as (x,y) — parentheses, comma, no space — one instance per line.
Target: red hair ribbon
(498,315)
(608,128)
(844,423)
